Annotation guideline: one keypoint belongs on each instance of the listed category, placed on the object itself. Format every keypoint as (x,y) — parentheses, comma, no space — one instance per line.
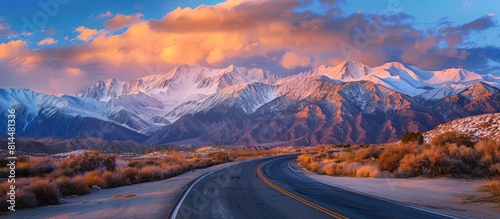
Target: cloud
(454,34)
(5,30)
(12,48)
(86,34)
(100,16)
(47,41)
(481,23)
(74,71)
(292,60)
(119,21)
(424,45)
(253,33)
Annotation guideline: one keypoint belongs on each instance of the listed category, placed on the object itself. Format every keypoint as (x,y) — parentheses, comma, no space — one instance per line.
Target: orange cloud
(292,60)
(74,71)
(119,21)
(12,48)
(237,32)
(86,34)
(47,41)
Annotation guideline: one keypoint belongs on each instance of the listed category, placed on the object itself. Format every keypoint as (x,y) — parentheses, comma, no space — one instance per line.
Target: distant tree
(413,137)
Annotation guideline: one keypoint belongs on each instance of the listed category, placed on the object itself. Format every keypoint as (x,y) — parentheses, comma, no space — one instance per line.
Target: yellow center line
(315,206)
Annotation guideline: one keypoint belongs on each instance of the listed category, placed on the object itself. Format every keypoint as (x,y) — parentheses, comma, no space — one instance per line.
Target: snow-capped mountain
(153,97)
(182,84)
(41,115)
(349,102)
(409,80)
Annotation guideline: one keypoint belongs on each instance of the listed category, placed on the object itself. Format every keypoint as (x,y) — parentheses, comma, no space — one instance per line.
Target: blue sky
(70,44)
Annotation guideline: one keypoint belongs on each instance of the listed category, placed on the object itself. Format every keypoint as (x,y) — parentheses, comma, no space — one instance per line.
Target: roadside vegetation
(492,187)
(44,181)
(358,162)
(451,154)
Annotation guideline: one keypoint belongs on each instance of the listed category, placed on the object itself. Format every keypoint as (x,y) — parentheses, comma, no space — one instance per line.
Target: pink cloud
(86,34)
(235,30)
(47,41)
(292,60)
(12,49)
(424,45)
(119,21)
(5,30)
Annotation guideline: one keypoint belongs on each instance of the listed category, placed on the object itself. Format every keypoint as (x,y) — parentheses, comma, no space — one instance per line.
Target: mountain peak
(393,65)
(349,70)
(185,67)
(351,62)
(230,67)
(113,81)
(483,86)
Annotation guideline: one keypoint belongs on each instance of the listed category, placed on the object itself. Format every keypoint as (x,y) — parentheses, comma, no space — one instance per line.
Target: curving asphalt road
(268,188)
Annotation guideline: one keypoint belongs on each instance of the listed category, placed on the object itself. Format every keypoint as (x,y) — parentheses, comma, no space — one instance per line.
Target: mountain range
(346,103)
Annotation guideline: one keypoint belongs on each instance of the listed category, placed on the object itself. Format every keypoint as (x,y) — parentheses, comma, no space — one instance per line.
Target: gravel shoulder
(144,200)
(440,194)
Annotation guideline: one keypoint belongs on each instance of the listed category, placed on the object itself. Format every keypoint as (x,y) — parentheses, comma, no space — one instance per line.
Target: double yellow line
(315,206)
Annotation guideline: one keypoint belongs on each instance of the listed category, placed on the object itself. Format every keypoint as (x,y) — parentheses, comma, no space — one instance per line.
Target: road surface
(269,188)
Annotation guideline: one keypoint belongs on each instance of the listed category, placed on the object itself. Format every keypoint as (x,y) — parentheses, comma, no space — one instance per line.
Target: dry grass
(150,173)
(30,166)
(332,168)
(495,169)
(129,196)
(25,198)
(367,171)
(489,150)
(304,159)
(448,157)
(392,155)
(114,179)
(492,187)
(315,166)
(177,158)
(72,186)
(452,137)
(341,169)
(85,162)
(124,196)
(371,152)
(129,174)
(95,178)
(45,191)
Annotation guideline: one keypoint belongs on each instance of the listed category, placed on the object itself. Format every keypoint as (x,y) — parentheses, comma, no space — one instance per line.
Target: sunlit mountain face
(349,102)
(246,72)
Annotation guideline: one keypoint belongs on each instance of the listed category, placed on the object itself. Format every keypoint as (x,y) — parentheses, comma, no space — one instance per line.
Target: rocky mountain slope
(347,103)
(480,126)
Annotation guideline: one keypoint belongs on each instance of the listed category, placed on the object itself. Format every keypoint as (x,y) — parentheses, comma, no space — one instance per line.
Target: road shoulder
(441,194)
(144,200)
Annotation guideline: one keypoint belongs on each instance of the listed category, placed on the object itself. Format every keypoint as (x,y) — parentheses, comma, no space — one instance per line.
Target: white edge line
(174,213)
(377,197)
(184,194)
